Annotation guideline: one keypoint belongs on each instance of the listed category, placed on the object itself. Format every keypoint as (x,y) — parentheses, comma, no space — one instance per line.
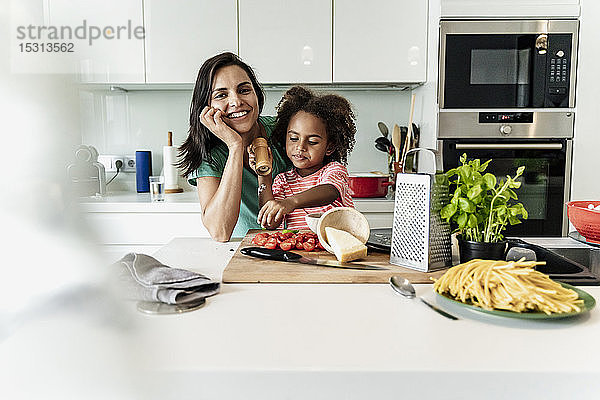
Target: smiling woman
(224,120)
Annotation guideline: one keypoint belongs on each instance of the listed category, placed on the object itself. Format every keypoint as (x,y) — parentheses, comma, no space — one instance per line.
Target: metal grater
(420,237)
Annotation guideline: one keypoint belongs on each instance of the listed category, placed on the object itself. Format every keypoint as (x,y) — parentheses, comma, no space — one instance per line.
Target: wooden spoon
(409,135)
(396,141)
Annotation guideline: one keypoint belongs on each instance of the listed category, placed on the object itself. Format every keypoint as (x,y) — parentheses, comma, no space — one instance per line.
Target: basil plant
(481,207)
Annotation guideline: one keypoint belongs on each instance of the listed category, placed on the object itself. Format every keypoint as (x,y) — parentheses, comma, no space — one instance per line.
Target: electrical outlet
(129,164)
(110,162)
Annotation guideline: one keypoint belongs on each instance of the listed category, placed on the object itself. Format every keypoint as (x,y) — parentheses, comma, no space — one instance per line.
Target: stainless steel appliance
(508,64)
(507,92)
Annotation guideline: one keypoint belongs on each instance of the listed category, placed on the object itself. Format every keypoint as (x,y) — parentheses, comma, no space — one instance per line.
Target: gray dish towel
(141,277)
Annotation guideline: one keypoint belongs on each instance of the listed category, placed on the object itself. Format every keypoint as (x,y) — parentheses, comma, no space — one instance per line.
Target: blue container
(143,170)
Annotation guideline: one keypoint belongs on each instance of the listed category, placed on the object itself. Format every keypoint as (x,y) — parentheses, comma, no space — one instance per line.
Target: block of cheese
(345,246)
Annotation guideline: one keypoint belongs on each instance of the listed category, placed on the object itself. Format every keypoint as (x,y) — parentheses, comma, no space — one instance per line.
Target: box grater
(420,237)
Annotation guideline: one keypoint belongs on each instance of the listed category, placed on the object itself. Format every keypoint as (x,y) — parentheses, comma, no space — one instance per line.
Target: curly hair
(335,111)
(196,148)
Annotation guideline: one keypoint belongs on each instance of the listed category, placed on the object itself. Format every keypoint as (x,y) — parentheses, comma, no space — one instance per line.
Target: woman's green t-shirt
(249,205)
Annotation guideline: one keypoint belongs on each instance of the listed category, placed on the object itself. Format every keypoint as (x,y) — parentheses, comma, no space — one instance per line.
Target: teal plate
(588,303)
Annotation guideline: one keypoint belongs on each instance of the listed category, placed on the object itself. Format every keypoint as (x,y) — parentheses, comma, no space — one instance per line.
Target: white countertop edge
(186,202)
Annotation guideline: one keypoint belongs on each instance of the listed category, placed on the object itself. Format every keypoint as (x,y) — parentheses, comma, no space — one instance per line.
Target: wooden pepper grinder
(261,154)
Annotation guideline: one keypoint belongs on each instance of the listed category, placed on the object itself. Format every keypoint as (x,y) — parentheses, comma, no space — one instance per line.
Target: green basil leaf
(490,180)
(462,220)
(448,211)
(474,192)
(466,205)
(484,166)
(472,222)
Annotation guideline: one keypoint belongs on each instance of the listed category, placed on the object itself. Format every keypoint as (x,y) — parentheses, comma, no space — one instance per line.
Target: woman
(224,120)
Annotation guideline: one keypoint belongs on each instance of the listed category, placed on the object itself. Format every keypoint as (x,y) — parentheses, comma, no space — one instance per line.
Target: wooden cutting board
(245,269)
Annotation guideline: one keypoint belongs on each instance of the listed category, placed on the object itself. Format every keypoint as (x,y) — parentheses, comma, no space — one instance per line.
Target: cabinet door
(181,34)
(287,41)
(112,47)
(380,41)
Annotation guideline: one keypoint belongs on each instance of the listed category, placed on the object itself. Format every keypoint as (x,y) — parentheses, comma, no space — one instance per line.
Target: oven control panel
(558,67)
(512,117)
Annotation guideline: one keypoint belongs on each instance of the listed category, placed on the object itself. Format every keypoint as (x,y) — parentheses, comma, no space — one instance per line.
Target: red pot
(369,185)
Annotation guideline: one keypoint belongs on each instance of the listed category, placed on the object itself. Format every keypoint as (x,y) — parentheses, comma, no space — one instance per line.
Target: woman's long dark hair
(196,148)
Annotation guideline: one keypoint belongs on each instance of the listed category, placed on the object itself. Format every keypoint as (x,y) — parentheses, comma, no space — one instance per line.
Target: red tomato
(308,246)
(271,243)
(285,246)
(299,245)
(260,241)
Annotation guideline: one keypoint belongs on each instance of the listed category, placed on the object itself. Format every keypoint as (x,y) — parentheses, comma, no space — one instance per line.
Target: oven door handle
(509,146)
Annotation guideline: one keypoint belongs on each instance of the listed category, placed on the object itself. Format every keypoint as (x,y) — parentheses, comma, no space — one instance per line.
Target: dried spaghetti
(502,285)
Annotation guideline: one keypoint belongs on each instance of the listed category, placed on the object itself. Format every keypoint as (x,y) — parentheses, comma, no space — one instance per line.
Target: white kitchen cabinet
(287,41)
(379,41)
(181,34)
(117,55)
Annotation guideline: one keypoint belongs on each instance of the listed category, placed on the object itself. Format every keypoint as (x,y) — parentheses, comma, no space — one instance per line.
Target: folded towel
(141,277)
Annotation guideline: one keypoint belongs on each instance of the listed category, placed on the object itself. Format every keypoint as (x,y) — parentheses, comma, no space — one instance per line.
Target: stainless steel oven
(507,92)
(507,64)
(544,185)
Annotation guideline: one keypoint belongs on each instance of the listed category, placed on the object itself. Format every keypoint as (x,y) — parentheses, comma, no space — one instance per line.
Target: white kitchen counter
(187,202)
(354,341)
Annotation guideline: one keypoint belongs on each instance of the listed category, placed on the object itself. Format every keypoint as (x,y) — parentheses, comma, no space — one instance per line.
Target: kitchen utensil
(585,220)
(244,269)
(288,256)
(368,184)
(151,307)
(409,134)
(406,289)
(383,129)
(383,140)
(396,139)
(345,219)
(381,147)
(170,171)
(588,303)
(420,237)
(261,152)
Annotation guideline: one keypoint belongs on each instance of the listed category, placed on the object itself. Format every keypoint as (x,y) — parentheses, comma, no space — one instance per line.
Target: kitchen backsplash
(120,123)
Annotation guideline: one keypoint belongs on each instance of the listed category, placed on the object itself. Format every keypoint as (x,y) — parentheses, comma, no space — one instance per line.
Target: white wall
(586,144)
(120,123)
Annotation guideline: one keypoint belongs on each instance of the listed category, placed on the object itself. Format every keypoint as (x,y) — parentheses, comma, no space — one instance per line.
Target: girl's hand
(252,157)
(212,118)
(271,214)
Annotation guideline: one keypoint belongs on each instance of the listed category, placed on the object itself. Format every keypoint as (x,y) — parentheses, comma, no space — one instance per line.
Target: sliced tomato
(308,246)
(271,243)
(299,245)
(285,246)
(260,241)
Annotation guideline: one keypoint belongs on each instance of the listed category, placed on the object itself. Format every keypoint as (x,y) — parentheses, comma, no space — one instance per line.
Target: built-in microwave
(507,64)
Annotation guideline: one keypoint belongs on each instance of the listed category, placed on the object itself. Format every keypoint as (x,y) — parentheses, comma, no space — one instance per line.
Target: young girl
(317,133)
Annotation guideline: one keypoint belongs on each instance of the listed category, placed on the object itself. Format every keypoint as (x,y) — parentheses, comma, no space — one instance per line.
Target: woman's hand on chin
(212,118)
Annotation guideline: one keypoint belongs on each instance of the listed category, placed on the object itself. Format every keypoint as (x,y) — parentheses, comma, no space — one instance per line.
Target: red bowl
(586,221)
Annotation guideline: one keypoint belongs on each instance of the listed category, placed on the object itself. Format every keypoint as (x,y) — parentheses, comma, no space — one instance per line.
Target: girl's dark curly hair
(196,148)
(335,111)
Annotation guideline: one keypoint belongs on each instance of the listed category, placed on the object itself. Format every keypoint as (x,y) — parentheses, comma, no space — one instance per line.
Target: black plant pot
(486,251)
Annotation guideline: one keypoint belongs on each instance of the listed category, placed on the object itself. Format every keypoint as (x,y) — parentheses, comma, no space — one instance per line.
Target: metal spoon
(406,289)
(383,129)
